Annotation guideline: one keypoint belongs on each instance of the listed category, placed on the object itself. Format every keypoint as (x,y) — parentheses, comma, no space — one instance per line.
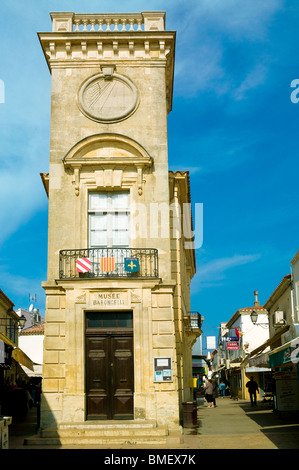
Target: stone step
(95,441)
(120,424)
(103,432)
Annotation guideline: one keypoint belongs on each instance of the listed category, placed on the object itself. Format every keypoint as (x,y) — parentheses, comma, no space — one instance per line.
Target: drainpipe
(292,296)
(179,297)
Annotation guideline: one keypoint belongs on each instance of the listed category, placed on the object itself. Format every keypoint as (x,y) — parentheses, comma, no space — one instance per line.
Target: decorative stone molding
(107,155)
(81,299)
(78,40)
(135,298)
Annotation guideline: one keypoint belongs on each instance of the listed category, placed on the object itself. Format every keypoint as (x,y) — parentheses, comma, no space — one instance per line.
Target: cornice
(133,49)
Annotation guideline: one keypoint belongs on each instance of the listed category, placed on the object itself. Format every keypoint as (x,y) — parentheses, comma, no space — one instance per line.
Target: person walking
(209,393)
(215,392)
(222,388)
(252,389)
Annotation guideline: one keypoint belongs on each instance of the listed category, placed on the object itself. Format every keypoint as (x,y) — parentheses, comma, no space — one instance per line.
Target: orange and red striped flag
(107,264)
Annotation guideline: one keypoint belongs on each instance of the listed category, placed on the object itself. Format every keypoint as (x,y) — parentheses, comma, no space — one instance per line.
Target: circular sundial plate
(108,100)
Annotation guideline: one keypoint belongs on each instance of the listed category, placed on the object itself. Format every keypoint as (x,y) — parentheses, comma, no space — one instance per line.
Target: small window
(109,320)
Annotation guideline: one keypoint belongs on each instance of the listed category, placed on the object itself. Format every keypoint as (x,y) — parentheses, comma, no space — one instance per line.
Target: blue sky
(233,125)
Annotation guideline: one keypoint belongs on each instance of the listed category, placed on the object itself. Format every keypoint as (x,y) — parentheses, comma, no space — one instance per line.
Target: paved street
(234,424)
(231,425)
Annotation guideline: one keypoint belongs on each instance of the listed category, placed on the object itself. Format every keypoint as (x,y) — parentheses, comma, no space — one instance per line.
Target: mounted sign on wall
(162,369)
(211,342)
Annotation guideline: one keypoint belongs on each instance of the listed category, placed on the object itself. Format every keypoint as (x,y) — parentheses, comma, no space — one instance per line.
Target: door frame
(119,331)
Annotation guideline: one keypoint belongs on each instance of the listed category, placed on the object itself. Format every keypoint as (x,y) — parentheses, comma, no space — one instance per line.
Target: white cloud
(218,151)
(20,198)
(15,284)
(254,78)
(210,31)
(210,273)
(21,190)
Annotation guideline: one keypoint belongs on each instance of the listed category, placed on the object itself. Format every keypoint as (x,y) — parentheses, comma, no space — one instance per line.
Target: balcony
(109,263)
(108,22)
(193,320)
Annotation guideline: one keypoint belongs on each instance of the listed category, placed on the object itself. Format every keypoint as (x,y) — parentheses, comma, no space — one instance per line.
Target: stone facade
(119,144)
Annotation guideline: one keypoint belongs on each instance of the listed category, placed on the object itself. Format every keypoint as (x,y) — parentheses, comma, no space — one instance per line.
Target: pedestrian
(209,393)
(222,388)
(215,392)
(252,389)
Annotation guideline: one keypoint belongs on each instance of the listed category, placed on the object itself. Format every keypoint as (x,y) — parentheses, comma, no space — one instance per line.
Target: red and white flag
(83,265)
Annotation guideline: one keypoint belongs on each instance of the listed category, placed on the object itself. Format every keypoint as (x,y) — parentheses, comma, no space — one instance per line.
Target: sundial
(108,99)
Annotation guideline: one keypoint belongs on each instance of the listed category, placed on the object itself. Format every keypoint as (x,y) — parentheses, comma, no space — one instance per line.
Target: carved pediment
(108,155)
(102,150)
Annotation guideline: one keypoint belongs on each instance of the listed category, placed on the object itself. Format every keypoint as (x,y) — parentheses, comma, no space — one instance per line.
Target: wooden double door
(109,373)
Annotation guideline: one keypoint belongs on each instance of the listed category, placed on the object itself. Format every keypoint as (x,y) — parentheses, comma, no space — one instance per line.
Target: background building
(243,333)
(12,357)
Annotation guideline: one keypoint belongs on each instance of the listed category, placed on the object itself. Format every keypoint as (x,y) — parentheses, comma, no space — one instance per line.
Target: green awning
(285,354)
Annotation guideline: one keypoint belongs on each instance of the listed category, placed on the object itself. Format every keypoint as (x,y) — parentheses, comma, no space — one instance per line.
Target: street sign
(232,345)
(211,342)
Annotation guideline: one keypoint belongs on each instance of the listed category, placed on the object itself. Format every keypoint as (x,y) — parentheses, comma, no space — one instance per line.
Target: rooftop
(37,329)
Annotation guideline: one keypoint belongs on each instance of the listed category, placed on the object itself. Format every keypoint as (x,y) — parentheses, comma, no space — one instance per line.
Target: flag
(107,264)
(238,333)
(132,265)
(83,265)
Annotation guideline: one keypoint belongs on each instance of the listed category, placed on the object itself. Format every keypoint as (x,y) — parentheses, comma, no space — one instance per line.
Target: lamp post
(254,317)
(21,322)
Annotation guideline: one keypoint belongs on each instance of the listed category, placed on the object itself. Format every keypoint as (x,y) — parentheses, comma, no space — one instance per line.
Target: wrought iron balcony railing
(107,263)
(193,320)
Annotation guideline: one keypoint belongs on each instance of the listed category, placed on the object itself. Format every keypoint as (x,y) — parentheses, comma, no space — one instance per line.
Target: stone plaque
(108,299)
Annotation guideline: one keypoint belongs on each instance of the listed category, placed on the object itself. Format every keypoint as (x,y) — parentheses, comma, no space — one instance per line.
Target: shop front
(284,362)
(12,396)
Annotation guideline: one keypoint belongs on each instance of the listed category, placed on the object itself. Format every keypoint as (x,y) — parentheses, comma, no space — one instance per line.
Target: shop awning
(249,370)
(284,354)
(266,343)
(234,365)
(37,372)
(260,360)
(7,341)
(19,356)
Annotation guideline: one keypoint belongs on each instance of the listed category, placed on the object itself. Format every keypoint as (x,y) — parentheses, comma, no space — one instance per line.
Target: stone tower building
(118,330)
